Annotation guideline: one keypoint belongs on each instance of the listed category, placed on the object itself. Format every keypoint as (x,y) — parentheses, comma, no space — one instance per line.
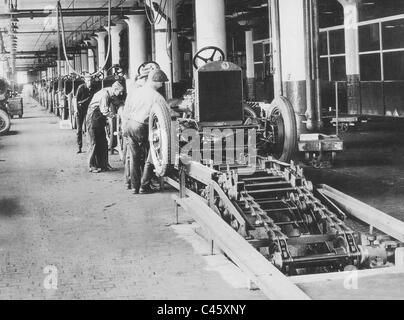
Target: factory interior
(202,150)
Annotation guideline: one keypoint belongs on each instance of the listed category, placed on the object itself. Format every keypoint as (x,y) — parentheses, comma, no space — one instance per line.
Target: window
(324,69)
(323,47)
(370,67)
(393,34)
(259,72)
(369,37)
(332,56)
(258,52)
(375,9)
(393,65)
(338,70)
(337,41)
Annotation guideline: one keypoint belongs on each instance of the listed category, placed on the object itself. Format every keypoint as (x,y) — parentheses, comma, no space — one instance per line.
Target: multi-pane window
(262,56)
(332,54)
(381,49)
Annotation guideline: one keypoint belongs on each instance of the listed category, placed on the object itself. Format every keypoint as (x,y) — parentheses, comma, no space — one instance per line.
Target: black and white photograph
(201,155)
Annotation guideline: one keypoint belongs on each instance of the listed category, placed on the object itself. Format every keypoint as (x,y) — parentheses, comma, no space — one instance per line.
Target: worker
(85,93)
(135,126)
(101,108)
(140,81)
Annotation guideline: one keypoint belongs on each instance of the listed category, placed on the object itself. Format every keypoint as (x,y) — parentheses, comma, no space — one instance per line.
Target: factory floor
(371,169)
(69,234)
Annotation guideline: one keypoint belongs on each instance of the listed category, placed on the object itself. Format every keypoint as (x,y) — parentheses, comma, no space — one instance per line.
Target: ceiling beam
(45,31)
(78,12)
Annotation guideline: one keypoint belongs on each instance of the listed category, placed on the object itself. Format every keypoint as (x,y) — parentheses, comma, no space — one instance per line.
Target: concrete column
(77,62)
(352,55)
(250,73)
(137,43)
(13,64)
(102,50)
(210,24)
(294,57)
(175,50)
(69,65)
(2,69)
(62,67)
(115,43)
(92,55)
(194,51)
(162,51)
(84,59)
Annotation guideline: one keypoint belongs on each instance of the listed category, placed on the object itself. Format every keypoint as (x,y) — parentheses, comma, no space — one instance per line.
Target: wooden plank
(376,218)
(273,283)
(311,278)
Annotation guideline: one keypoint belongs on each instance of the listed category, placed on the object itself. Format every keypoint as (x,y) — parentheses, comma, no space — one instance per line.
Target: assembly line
(205,121)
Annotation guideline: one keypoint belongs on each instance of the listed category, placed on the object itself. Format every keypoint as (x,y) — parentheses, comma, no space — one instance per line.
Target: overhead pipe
(101,69)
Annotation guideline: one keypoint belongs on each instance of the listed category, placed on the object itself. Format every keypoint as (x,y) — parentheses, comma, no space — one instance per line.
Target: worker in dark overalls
(101,108)
(135,127)
(85,93)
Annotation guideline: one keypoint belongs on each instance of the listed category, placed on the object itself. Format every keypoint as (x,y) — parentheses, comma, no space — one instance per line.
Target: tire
(282,108)
(119,137)
(160,139)
(5,122)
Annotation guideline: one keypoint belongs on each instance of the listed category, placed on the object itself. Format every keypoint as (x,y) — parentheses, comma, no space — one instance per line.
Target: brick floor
(104,242)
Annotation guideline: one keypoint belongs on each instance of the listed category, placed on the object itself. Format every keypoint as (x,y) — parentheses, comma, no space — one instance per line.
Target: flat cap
(158,76)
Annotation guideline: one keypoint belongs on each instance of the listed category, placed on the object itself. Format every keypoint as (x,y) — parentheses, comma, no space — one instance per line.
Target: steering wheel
(147,67)
(208,54)
(99,77)
(117,70)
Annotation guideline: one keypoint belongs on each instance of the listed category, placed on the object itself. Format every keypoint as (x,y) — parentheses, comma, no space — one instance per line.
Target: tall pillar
(62,67)
(174,43)
(212,33)
(352,55)
(92,54)
(84,59)
(101,48)
(2,68)
(194,51)
(137,43)
(115,43)
(294,57)
(69,65)
(77,62)
(163,54)
(250,73)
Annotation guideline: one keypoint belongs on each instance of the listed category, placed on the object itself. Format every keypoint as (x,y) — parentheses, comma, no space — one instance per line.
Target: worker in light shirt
(101,107)
(135,127)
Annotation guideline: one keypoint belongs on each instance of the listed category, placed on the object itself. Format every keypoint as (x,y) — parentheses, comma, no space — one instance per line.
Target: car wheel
(160,139)
(5,122)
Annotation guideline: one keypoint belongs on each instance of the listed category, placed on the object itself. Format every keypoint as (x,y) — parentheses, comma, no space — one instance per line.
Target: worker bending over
(135,127)
(101,108)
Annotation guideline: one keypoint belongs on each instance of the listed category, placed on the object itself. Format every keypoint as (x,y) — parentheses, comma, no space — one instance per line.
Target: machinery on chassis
(254,187)
(5,122)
